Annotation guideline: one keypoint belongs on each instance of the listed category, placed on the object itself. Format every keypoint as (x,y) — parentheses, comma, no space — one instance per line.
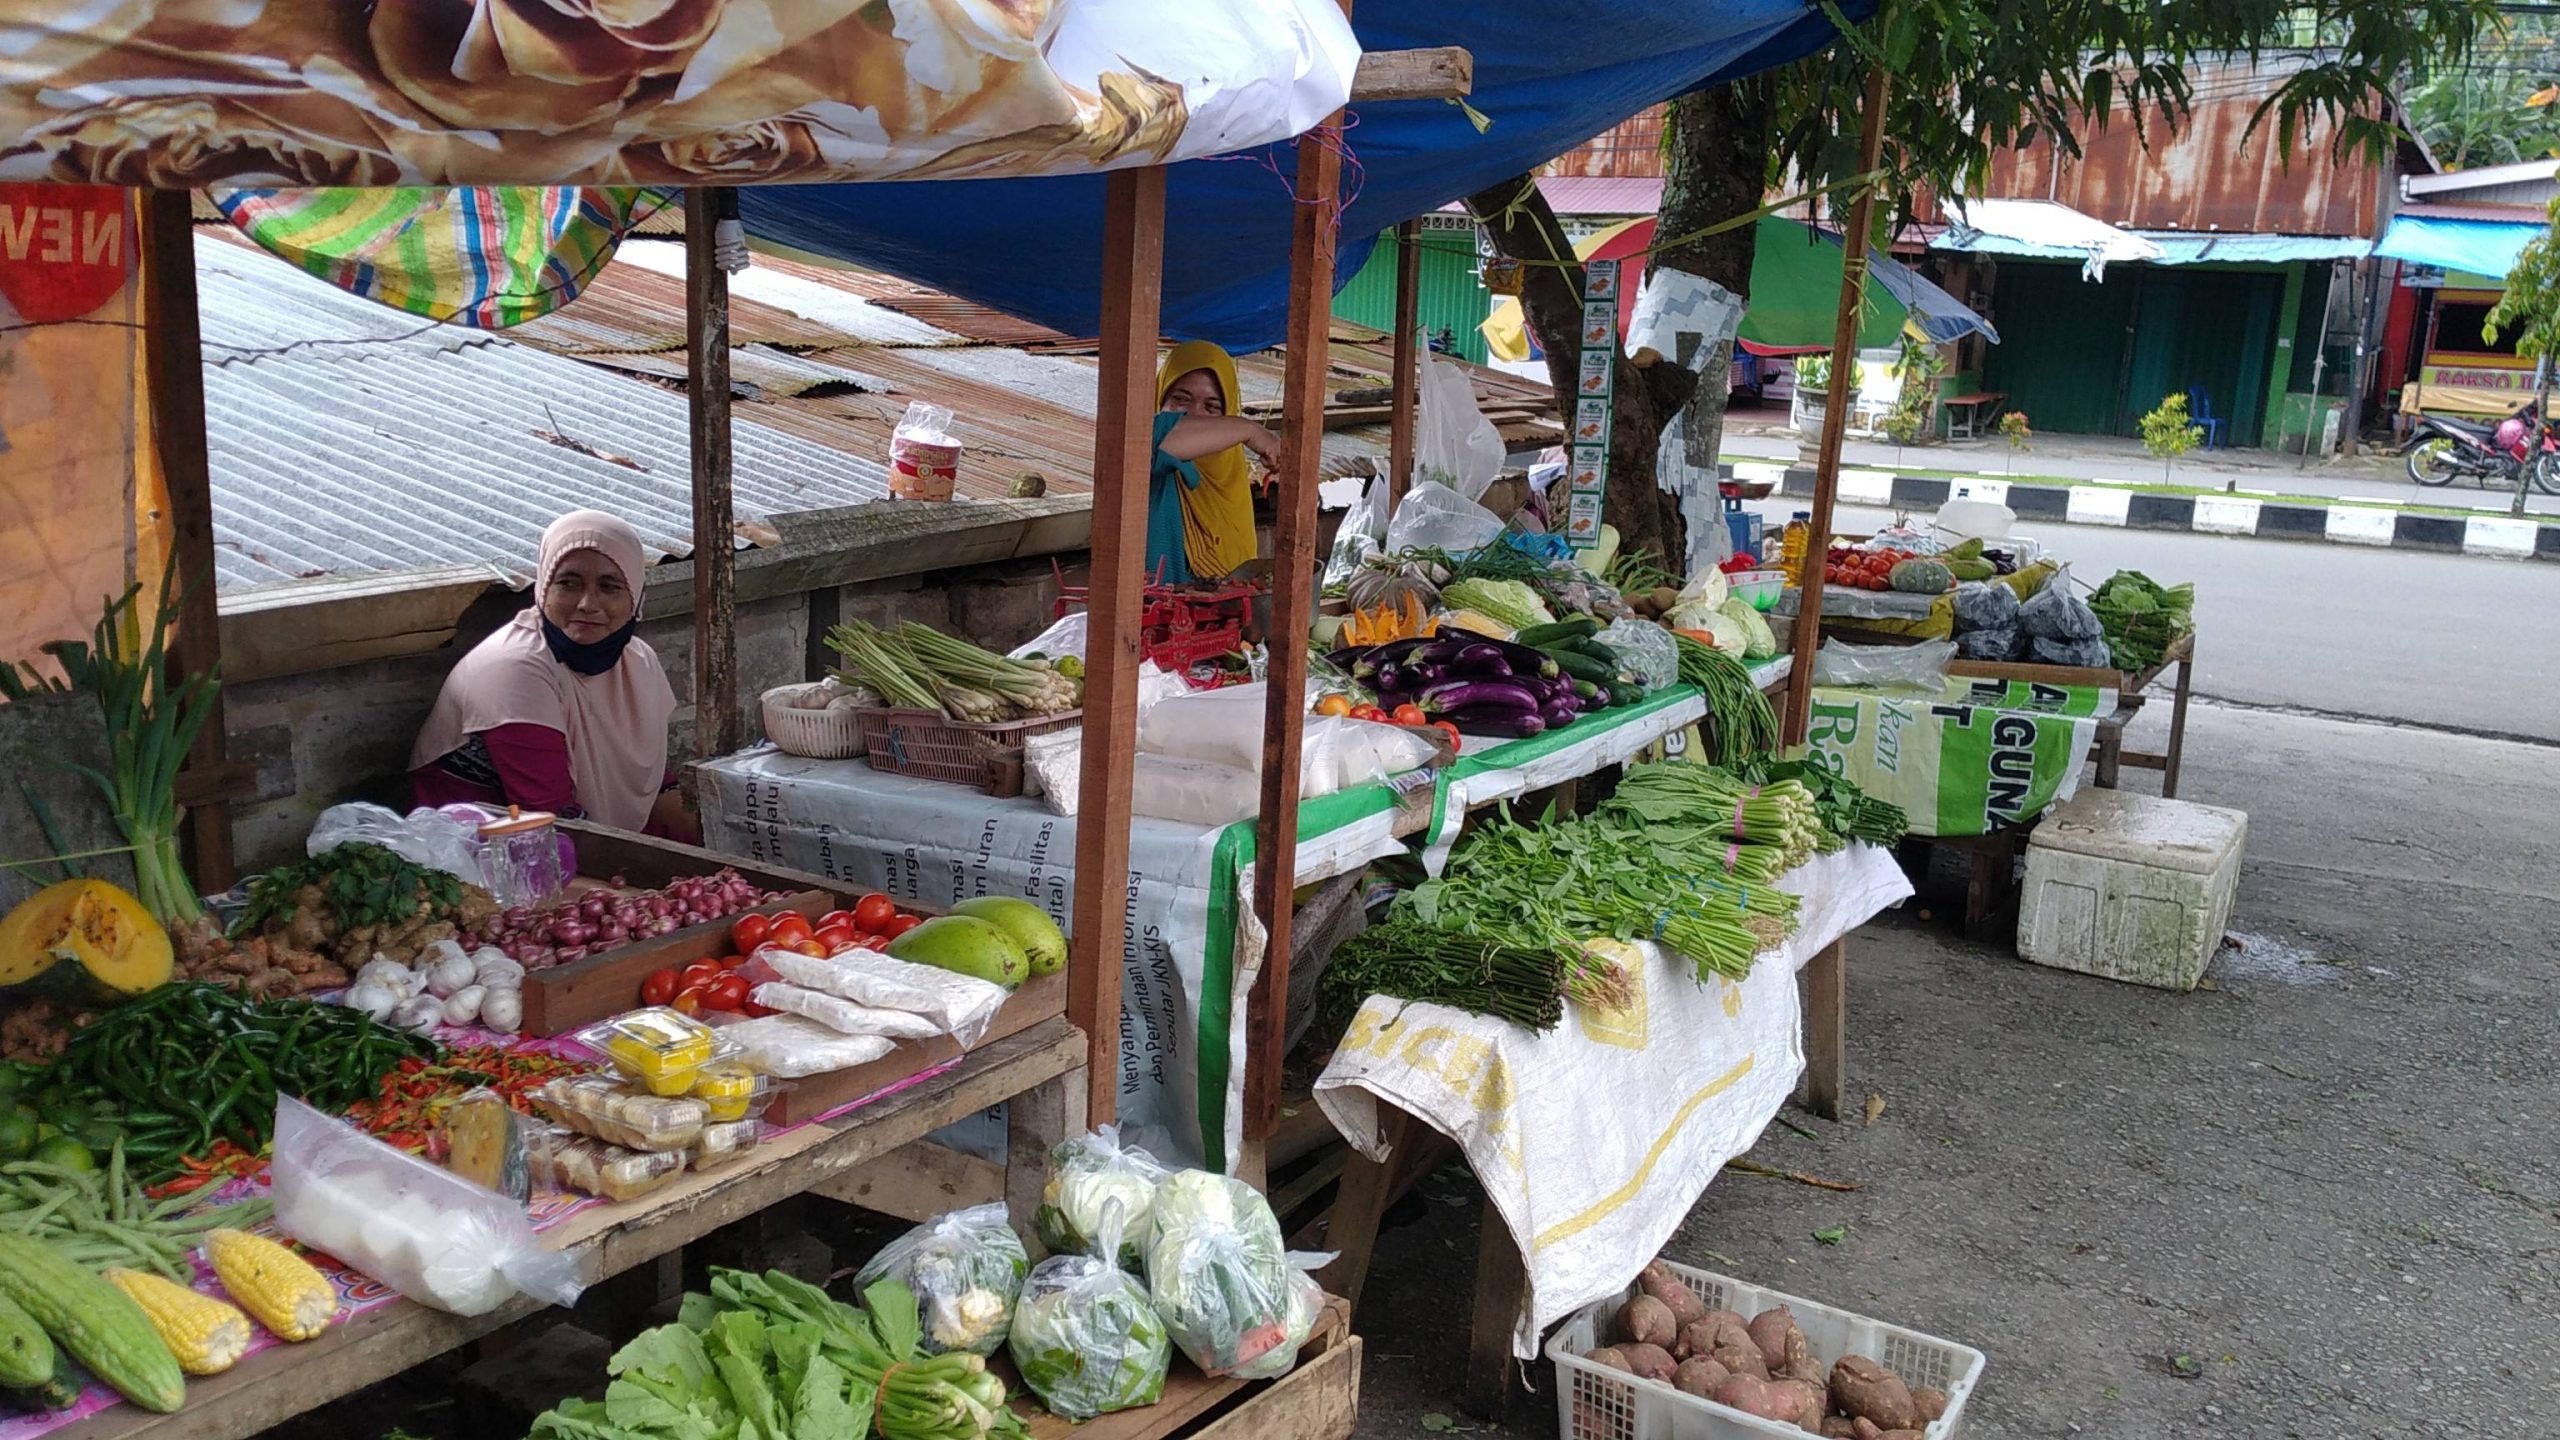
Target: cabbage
(1086,1338)
(1088,1176)
(966,1270)
(1758,642)
(1509,601)
(1219,1272)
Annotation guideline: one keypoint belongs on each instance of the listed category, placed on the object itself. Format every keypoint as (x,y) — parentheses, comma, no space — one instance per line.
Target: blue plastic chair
(2200,411)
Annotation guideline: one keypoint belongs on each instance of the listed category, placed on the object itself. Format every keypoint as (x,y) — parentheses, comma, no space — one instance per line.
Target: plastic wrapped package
(1091,1177)
(1224,728)
(1899,667)
(1220,1275)
(2094,653)
(566,1160)
(1433,516)
(961,1006)
(476,1137)
(420,1229)
(1985,605)
(1085,1336)
(1297,1321)
(966,1269)
(724,1142)
(790,1046)
(608,1109)
(425,837)
(2057,612)
(842,1015)
(1192,792)
(1646,651)
(731,1090)
(2007,642)
(661,1049)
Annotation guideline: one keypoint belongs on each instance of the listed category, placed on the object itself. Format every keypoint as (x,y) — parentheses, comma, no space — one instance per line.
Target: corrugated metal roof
(2516,214)
(348,438)
(1592,195)
(2183,249)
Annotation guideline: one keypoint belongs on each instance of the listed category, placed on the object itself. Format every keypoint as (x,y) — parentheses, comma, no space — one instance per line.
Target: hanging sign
(64,249)
(1587,493)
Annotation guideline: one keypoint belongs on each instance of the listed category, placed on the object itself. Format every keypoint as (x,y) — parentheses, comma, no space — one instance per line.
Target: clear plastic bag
(1885,667)
(1220,1275)
(1364,527)
(839,1014)
(1435,517)
(1085,1337)
(966,1269)
(2093,653)
(789,1046)
(924,458)
(1985,605)
(2057,612)
(428,1233)
(2004,642)
(1453,443)
(960,1006)
(1644,650)
(1063,638)
(425,837)
(1089,1177)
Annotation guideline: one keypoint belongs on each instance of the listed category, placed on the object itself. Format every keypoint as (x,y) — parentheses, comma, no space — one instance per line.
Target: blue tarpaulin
(2477,247)
(1549,74)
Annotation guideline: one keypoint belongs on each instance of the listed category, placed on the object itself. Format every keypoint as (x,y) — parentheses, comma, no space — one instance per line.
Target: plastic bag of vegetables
(1230,1294)
(1086,1338)
(1644,650)
(966,1269)
(1089,1177)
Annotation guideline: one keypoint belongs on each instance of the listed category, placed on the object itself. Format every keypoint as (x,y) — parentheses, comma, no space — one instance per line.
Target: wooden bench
(1967,414)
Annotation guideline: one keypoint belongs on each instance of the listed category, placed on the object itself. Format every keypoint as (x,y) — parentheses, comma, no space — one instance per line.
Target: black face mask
(594,659)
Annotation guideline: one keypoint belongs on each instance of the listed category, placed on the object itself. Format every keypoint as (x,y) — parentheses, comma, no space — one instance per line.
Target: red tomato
(688,1002)
(835,917)
(1409,715)
(873,912)
(835,936)
(808,947)
(1455,741)
(730,962)
(789,927)
(729,993)
(749,932)
(900,925)
(1367,712)
(659,988)
(700,972)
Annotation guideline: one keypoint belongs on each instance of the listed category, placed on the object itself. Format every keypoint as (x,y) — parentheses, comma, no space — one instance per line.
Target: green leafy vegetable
(2142,618)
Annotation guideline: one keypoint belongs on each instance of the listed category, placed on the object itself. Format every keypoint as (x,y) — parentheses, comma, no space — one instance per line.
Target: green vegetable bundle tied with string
(1408,960)
(1740,722)
(919,668)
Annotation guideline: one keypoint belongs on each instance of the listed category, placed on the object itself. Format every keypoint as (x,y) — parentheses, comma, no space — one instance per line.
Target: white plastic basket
(816,734)
(1594,1402)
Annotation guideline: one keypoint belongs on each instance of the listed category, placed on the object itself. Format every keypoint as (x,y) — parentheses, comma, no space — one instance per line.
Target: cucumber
(1539,637)
(1583,667)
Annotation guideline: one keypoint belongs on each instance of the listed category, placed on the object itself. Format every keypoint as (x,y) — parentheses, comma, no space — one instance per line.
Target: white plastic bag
(1921,667)
(1453,443)
(960,1006)
(1192,792)
(1435,517)
(966,1269)
(1644,650)
(425,837)
(1364,525)
(1224,727)
(1236,1301)
(419,1228)
(1064,637)
(842,1015)
(790,1046)
(1090,1175)
(1085,1336)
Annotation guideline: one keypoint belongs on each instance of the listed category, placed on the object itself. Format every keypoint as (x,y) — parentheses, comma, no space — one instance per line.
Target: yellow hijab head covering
(1217,514)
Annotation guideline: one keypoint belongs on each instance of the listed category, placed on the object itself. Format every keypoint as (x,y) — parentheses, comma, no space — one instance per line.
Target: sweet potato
(1839,1427)
(1863,1428)
(1608,1355)
(1930,1402)
(1751,1397)
(1869,1391)
(1806,1368)
(1741,1360)
(1696,1338)
(1650,1361)
(1657,1281)
(1769,1331)
(1904,1435)
(1699,1376)
(1800,1399)
(1714,1319)
(1648,1321)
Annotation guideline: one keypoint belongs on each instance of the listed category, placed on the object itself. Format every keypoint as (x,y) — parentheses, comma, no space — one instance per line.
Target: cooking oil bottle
(1791,545)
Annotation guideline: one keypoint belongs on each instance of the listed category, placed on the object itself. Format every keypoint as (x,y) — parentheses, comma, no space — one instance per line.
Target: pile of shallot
(599,920)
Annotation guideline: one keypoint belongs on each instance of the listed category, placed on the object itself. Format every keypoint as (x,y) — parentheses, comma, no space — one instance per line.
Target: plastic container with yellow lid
(660,1049)
(733,1091)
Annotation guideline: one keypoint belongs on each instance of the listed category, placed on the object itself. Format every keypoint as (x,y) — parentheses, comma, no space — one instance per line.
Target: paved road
(2450,641)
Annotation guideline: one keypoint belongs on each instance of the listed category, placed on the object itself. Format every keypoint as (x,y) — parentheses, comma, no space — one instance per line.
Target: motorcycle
(2442,450)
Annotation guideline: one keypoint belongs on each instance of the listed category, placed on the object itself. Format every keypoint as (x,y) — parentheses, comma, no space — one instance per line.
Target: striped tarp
(487,258)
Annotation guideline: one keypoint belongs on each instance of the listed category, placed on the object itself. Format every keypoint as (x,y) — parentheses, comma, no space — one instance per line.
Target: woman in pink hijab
(565,708)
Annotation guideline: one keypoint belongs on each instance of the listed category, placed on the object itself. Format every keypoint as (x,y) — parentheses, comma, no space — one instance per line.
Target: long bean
(106,1219)
(1740,720)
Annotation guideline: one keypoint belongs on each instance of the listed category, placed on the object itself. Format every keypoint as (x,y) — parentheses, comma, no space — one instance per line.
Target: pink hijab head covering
(615,723)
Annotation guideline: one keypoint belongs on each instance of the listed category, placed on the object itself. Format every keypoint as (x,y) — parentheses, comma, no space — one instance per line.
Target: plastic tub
(1594,1402)
(1760,588)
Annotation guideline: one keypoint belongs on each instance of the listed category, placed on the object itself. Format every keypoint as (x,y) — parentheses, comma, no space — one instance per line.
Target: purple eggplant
(1501,723)
(1558,714)
(1459,695)
(1390,677)
(1483,659)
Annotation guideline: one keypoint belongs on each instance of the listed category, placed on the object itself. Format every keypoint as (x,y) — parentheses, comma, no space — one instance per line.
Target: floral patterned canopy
(305,93)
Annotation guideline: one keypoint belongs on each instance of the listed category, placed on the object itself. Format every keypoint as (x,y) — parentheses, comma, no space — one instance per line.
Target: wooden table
(1976,409)
(2110,752)
(1041,1069)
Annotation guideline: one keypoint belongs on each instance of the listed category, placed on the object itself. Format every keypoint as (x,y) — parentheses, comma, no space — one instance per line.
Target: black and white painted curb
(2342,523)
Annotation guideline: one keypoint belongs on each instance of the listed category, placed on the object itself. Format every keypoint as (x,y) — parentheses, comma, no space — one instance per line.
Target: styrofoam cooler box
(2131,887)
(1594,1402)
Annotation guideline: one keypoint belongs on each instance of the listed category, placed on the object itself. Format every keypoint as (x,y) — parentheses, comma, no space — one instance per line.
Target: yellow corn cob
(206,1335)
(272,1283)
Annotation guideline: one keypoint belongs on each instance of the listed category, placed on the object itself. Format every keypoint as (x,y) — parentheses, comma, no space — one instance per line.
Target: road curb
(2382,527)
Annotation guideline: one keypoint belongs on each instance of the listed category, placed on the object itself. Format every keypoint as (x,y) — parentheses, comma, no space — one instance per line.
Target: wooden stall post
(173,370)
(1293,580)
(1408,381)
(1123,451)
(1835,415)
(716,726)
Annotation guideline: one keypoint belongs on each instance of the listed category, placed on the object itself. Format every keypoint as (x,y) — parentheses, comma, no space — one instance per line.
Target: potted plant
(1813,390)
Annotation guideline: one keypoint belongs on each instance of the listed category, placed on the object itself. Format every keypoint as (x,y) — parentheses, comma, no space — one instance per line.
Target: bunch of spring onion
(1740,722)
(1702,811)
(1845,810)
(1405,959)
(152,721)
(920,668)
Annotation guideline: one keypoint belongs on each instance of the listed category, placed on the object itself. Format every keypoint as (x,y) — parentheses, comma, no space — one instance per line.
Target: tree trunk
(1522,227)
(1716,170)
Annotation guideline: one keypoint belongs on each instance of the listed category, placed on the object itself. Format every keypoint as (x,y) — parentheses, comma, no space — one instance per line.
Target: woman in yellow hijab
(1199,500)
